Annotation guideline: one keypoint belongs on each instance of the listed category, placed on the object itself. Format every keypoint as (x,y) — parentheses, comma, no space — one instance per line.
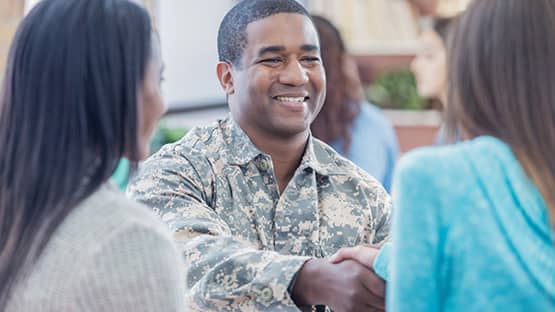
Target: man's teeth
(290,99)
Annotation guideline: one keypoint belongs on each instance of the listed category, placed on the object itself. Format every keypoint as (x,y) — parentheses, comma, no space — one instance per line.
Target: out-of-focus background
(383,36)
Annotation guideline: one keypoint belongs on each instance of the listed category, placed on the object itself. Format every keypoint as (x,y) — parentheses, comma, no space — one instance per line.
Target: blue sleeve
(381,263)
(413,283)
(392,154)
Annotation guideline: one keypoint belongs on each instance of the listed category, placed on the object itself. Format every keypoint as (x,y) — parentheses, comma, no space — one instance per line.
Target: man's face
(279,86)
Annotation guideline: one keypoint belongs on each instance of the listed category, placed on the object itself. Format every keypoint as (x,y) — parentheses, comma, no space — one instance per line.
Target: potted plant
(415,120)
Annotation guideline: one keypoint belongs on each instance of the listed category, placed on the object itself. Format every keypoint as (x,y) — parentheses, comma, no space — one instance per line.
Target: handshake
(344,282)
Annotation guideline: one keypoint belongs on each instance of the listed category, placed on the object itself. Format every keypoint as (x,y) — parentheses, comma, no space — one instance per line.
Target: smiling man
(254,200)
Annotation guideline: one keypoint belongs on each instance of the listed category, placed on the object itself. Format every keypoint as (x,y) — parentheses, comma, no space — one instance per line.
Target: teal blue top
(121,175)
(470,232)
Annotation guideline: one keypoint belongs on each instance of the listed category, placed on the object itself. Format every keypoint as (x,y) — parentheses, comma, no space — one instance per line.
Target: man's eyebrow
(270,49)
(274,49)
(310,47)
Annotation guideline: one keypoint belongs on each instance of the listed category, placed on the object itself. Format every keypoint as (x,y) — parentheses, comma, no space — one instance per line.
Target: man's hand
(344,286)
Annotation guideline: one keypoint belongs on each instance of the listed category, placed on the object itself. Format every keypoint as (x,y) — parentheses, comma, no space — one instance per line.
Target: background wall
(372,26)
(11,12)
(188,30)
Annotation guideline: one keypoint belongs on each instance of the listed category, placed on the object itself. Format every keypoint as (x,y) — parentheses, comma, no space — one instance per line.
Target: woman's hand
(363,254)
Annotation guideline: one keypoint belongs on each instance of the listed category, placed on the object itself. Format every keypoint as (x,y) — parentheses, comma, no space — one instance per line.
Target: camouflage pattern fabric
(243,241)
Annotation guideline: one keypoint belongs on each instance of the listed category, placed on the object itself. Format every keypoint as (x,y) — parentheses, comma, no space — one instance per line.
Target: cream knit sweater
(110,254)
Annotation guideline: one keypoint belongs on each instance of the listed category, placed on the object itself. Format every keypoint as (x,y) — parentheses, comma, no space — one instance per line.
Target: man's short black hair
(232,34)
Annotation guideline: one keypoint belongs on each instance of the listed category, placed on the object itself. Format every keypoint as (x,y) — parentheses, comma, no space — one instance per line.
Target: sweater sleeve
(413,283)
(137,268)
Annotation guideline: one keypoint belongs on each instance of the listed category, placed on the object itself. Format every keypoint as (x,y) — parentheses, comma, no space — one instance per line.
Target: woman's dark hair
(502,83)
(441,26)
(68,112)
(344,91)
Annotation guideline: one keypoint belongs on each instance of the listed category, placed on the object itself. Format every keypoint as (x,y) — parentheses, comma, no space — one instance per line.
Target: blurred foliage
(396,90)
(165,135)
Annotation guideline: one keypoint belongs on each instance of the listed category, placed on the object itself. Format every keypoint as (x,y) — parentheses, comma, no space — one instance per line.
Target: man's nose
(294,74)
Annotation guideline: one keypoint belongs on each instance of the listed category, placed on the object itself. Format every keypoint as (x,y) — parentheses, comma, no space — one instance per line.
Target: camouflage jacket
(242,241)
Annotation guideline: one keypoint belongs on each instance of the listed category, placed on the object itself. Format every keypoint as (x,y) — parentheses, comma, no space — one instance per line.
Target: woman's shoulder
(109,201)
(102,244)
(443,168)
(106,213)
(449,157)
(450,171)
(428,160)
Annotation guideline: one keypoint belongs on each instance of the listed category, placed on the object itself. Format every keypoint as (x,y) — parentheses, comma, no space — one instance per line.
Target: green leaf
(396,90)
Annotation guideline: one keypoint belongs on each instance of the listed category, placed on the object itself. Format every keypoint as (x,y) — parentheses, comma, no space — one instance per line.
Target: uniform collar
(320,158)
(241,151)
(240,148)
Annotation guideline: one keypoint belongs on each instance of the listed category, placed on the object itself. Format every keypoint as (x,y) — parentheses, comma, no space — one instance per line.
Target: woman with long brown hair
(353,127)
(82,90)
(473,228)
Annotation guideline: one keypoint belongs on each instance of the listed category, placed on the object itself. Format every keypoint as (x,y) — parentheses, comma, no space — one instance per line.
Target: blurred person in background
(353,127)
(430,67)
(473,228)
(430,64)
(81,91)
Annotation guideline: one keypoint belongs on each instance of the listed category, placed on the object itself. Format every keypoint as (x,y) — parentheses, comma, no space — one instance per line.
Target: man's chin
(292,128)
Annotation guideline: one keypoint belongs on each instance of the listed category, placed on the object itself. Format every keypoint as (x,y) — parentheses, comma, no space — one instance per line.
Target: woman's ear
(223,70)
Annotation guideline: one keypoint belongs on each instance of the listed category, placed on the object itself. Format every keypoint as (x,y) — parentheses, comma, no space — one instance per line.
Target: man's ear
(223,70)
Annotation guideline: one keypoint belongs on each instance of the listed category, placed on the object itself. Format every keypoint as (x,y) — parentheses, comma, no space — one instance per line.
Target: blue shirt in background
(470,232)
(374,145)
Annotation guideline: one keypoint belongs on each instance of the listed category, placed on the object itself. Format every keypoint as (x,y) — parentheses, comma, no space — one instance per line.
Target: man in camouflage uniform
(254,200)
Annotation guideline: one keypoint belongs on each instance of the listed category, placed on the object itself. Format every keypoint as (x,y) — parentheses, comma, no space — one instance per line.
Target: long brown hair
(68,113)
(442,26)
(502,82)
(344,91)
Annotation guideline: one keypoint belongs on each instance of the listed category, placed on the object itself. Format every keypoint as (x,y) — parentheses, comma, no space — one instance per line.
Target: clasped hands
(345,282)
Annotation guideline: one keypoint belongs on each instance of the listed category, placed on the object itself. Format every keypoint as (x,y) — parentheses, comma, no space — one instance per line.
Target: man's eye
(311,59)
(274,60)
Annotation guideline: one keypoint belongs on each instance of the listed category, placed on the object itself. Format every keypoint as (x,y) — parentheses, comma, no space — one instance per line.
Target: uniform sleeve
(381,210)
(413,283)
(138,268)
(222,272)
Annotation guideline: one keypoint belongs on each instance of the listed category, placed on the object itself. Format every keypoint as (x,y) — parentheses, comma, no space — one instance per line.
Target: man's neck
(286,153)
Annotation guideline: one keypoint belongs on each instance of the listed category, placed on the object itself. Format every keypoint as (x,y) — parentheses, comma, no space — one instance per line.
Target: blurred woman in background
(430,64)
(81,91)
(430,67)
(353,127)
